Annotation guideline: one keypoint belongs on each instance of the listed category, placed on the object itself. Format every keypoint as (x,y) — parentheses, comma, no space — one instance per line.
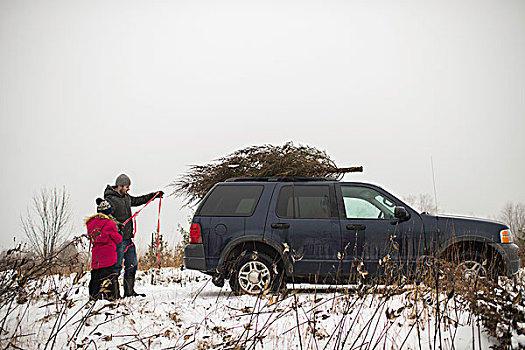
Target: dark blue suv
(263,232)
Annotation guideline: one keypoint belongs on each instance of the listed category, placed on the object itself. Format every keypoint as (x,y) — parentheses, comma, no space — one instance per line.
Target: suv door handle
(280,225)
(356,227)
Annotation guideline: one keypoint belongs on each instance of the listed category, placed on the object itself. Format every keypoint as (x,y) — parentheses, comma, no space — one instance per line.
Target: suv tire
(254,273)
(472,265)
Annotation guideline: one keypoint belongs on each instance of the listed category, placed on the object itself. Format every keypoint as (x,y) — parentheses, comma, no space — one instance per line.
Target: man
(121,203)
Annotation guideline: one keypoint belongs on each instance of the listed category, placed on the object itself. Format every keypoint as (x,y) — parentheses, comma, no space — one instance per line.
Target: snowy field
(184,310)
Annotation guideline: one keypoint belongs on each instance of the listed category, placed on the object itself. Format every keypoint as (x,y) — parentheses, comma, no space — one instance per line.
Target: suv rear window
(232,200)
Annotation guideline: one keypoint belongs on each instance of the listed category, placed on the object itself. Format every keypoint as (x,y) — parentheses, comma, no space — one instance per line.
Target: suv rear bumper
(194,257)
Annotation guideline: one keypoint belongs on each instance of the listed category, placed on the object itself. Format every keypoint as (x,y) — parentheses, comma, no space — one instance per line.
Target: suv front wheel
(473,265)
(254,273)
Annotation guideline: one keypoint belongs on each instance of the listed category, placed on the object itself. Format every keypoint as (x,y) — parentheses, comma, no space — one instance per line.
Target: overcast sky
(91,89)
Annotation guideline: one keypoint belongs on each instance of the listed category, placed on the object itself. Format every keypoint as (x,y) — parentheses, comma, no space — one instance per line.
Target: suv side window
(304,202)
(232,200)
(366,203)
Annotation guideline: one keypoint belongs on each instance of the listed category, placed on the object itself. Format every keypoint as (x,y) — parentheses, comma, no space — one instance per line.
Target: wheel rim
(472,269)
(254,277)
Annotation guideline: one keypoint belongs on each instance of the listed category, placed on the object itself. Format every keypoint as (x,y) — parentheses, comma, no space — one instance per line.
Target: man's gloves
(157,194)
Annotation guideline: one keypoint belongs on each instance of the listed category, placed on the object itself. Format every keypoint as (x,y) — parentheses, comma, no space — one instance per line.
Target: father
(121,203)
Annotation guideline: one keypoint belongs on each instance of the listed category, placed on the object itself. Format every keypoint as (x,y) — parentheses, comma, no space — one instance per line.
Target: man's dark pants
(126,252)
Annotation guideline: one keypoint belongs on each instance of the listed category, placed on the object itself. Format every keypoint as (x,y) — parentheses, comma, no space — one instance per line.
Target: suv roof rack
(280,179)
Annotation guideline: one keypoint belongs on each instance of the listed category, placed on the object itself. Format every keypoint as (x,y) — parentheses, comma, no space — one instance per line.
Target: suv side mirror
(401,213)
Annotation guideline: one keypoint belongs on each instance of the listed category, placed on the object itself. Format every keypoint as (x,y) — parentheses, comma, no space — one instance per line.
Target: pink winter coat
(104,236)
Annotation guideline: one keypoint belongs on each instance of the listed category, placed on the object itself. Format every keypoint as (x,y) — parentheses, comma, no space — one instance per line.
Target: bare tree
(47,222)
(513,214)
(422,202)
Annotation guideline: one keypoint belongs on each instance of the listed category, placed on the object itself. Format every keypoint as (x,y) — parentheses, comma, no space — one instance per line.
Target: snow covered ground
(184,310)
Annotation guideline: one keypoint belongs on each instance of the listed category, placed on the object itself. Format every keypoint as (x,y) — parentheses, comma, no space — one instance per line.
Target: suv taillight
(195,233)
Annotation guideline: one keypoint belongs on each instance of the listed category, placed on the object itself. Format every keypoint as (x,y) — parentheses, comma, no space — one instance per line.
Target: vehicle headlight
(505,236)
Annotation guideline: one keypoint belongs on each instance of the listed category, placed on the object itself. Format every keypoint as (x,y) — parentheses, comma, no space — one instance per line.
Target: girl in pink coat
(104,236)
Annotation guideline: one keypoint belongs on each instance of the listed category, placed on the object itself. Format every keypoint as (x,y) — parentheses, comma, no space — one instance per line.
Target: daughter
(104,236)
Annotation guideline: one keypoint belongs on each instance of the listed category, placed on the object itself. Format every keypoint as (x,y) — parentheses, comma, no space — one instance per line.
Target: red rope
(135,223)
(138,211)
(158,232)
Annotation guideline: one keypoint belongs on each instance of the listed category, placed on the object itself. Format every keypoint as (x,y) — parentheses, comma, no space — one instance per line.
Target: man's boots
(129,287)
(116,289)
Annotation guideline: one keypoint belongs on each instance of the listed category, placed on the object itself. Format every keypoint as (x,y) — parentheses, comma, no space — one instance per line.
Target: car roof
(297,179)
(281,179)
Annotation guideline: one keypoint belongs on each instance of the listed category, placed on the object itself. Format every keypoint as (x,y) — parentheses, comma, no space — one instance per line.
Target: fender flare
(473,239)
(279,248)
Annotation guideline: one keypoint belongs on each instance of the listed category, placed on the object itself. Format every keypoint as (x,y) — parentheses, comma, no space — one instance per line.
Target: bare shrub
(185,240)
(47,222)
(513,214)
(20,271)
(422,202)
(167,256)
(70,259)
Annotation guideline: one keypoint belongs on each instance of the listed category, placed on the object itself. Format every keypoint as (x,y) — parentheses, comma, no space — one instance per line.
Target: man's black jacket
(121,207)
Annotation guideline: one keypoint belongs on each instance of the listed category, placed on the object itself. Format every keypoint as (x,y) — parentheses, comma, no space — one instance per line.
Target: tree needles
(257,161)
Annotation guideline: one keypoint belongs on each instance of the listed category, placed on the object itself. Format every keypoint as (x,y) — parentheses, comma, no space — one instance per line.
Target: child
(104,236)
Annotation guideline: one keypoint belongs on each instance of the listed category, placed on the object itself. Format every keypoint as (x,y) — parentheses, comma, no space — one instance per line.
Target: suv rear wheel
(254,273)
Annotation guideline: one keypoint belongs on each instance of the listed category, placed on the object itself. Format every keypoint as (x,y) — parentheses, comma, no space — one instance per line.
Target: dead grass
(433,298)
